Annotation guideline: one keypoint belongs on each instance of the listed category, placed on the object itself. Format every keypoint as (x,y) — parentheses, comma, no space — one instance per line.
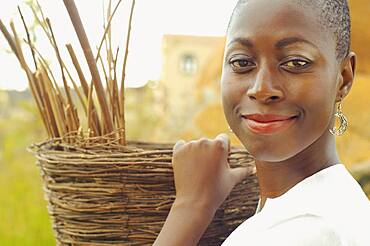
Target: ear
(347,73)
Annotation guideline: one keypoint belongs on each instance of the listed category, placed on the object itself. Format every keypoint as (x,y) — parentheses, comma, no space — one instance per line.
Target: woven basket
(103,193)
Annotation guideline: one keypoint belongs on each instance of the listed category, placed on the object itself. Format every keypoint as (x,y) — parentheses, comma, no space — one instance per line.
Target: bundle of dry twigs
(105,112)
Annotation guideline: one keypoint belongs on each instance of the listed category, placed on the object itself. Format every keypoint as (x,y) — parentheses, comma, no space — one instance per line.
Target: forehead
(278,19)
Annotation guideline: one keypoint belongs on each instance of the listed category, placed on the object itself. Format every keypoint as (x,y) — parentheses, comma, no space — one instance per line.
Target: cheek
(316,104)
(316,98)
(227,104)
(318,112)
(232,94)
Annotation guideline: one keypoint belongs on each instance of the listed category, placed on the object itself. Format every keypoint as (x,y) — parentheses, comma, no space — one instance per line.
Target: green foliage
(23,218)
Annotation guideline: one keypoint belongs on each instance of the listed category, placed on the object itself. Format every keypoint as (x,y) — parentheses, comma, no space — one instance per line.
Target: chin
(262,151)
(271,157)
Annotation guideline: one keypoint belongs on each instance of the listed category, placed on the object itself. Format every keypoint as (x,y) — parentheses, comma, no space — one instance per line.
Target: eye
(296,64)
(241,65)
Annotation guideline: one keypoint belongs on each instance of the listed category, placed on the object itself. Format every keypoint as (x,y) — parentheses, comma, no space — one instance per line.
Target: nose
(265,88)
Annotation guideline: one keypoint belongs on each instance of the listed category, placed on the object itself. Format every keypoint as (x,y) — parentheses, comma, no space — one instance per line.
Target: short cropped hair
(333,15)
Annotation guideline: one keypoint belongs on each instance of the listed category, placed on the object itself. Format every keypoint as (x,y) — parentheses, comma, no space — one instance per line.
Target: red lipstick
(268,123)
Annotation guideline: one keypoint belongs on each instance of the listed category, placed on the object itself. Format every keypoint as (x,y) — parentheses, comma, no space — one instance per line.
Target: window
(188,64)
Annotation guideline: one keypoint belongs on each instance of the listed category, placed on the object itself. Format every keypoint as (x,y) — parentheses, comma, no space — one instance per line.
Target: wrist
(197,207)
(185,223)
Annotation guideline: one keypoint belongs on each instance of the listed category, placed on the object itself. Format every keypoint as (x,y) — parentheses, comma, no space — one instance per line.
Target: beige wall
(179,84)
(186,93)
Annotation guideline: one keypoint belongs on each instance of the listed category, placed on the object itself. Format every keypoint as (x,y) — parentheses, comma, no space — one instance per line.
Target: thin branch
(115,92)
(74,118)
(77,66)
(80,31)
(42,22)
(86,89)
(43,60)
(28,37)
(106,29)
(122,92)
(8,38)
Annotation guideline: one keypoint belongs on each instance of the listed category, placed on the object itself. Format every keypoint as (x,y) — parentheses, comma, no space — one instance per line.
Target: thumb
(239,174)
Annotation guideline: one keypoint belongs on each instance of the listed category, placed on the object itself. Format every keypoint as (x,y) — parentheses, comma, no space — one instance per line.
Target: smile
(268,123)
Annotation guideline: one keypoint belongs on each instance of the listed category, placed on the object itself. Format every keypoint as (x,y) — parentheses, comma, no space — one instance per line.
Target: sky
(151,20)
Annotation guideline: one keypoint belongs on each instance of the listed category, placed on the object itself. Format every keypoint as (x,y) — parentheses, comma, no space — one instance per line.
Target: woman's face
(280,79)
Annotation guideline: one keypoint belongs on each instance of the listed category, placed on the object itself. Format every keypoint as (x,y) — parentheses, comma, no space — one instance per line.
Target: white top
(328,208)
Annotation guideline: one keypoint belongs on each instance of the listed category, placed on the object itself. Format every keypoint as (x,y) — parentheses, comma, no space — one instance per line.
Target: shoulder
(300,230)
(305,230)
(332,193)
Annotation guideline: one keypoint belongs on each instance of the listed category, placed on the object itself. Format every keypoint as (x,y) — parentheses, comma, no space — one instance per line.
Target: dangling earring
(342,119)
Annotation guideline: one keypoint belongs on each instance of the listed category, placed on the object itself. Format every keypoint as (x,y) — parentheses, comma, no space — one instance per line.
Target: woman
(287,68)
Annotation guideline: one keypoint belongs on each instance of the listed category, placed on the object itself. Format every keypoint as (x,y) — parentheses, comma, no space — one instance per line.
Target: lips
(266,117)
(268,123)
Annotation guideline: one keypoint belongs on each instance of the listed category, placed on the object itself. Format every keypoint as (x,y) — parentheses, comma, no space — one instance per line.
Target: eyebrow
(280,44)
(292,40)
(243,41)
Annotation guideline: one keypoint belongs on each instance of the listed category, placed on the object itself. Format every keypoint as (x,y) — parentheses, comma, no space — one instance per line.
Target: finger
(178,144)
(240,173)
(225,139)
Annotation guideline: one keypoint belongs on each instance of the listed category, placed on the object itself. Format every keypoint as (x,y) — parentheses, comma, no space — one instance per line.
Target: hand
(202,173)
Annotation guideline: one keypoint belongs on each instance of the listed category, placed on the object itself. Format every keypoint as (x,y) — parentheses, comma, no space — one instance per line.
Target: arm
(203,180)
(184,225)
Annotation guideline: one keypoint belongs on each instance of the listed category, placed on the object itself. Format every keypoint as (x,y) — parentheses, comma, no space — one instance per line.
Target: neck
(276,178)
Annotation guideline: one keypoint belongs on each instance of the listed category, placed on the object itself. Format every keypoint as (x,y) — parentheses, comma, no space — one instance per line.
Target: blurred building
(190,81)
(185,61)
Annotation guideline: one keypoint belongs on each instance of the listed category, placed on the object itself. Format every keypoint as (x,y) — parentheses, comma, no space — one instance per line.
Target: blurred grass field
(23,213)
